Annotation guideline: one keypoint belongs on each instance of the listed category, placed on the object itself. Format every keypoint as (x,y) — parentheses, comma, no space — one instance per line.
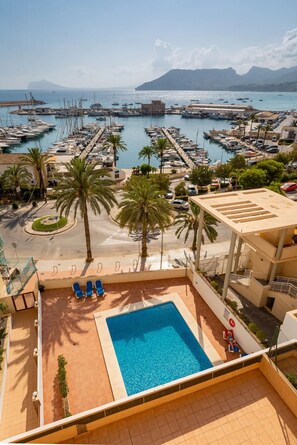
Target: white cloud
(270,56)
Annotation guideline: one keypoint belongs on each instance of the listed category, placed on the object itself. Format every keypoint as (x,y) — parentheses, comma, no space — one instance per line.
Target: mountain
(225,79)
(202,79)
(45,85)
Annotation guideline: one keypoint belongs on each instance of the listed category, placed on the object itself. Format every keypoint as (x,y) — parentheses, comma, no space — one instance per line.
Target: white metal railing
(243,278)
(287,280)
(284,288)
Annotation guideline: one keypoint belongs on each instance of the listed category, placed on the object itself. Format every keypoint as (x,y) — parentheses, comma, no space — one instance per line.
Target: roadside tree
(201,176)
(85,184)
(144,210)
(189,222)
(39,162)
(146,152)
(15,177)
(115,141)
(237,163)
(253,178)
(160,148)
(274,170)
(161,181)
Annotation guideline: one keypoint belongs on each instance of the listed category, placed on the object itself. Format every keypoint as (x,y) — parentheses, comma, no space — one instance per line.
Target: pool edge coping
(111,361)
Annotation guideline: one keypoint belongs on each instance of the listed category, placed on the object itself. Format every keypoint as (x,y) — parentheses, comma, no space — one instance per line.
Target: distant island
(256,79)
(45,85)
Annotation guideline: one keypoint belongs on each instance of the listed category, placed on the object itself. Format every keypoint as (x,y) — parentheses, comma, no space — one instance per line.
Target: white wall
(241,333)
(289,327)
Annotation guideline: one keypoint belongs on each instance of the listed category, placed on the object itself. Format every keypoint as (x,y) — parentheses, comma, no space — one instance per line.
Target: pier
(92,143)
(178,148)
(19,103)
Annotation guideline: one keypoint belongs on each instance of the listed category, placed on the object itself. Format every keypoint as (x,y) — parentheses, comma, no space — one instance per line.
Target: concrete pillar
(229,265)
(237,257)
(278,254)
(199,239)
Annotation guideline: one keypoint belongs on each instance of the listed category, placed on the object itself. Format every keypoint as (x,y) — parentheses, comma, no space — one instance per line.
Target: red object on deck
(231,322)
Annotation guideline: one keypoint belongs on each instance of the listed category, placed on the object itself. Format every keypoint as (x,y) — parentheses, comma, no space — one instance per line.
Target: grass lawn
(39,225)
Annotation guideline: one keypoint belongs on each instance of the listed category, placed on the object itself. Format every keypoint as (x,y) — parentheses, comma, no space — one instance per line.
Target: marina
(104,114)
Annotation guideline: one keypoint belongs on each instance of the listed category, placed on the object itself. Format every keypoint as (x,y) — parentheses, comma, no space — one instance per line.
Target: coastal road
(107,239)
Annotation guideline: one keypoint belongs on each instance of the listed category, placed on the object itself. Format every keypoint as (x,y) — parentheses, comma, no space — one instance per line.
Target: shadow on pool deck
(69,329)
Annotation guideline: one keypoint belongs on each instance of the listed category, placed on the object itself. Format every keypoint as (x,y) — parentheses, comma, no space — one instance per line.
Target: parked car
(187,178)
(180,204)
(272,146)
(215,184)
(274,138)
(192,191)
(272,150)
(289,187)
(168,195)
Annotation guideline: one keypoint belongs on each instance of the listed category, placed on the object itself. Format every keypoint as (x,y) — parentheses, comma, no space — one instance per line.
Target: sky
(123,43)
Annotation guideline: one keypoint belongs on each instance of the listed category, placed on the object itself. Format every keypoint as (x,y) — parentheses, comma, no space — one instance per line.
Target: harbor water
(133,134)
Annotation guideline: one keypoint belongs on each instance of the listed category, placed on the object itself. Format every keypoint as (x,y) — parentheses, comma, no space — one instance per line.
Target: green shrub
(173,171)
(292,377)
(3,307)
(62,376)
(1,357)
(234,305)
(15,205)
(34,204)
(216,286)
(2,333)
(257,331)
(252,327)
(244,318)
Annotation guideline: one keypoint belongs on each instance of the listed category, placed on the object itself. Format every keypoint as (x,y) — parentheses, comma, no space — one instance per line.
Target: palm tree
(267,128)
(189,221)
(116,142)
(260,128)
(85,184)
(39,161)
(142,209)
(146,152)
(159,148)
(253,118)
(15,177)
(241,125)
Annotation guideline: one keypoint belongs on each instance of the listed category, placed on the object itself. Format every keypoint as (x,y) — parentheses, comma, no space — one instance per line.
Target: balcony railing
(243,278)
(17,274)
(284,288)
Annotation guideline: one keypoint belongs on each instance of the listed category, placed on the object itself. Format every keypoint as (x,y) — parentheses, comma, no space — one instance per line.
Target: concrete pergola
(246,213)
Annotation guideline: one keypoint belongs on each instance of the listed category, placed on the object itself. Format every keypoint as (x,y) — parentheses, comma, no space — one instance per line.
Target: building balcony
(16,273)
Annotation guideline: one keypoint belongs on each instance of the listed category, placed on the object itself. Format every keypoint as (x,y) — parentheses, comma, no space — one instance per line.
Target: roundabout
(49,224)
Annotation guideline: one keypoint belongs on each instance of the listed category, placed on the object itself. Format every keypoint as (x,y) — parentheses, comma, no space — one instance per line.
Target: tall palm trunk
(41,182)
(161,163)
(194,243)
(144,240)
(114,155)
(87,235)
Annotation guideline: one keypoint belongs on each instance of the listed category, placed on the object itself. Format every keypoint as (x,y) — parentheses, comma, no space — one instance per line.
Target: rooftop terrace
(250,211)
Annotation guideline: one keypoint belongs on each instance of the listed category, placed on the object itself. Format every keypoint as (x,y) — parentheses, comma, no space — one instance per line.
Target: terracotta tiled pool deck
(242,411)
(69,328)
(18,413)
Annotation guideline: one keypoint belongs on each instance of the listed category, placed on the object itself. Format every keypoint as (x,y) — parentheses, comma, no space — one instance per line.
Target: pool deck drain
(112,365)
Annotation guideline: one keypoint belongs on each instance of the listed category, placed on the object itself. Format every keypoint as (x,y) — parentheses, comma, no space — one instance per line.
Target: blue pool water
(155,346)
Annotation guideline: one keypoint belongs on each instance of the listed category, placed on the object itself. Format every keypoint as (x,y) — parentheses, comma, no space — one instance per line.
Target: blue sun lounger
(77,290)
(89,288)
(99,288)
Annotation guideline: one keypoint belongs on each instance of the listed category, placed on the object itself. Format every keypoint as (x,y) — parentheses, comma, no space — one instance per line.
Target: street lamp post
(162,245)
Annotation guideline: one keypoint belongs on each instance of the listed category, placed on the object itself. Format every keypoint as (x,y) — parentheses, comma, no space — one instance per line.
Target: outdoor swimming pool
(154,346)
